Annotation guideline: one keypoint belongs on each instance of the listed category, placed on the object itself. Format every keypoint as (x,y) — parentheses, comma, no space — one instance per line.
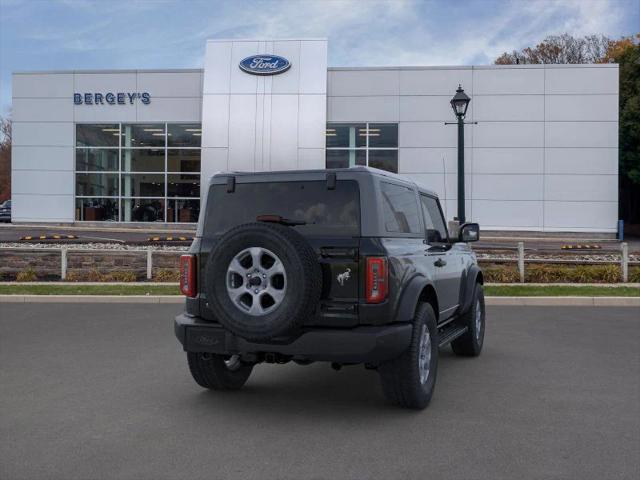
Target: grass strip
(560,291)
(102,289)
(493,290)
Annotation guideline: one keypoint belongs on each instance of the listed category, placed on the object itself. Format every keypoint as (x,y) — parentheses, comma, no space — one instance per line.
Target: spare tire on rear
(262,280)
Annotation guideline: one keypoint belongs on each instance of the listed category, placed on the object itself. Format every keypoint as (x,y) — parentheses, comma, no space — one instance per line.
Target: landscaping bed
(557,273)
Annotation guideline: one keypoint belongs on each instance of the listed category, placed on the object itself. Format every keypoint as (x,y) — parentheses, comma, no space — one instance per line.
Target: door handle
(439,263)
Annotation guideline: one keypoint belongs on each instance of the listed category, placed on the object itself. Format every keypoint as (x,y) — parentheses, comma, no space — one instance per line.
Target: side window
(400,209)
(433,220)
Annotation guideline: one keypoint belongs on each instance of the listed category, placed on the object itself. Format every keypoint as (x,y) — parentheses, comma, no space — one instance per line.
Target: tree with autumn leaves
(600,49)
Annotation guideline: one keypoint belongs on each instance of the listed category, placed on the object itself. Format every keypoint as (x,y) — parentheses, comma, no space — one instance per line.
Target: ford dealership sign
(265,64)
(110,98)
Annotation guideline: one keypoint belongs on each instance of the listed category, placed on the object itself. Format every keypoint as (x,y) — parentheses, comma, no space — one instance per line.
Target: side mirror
(469,232)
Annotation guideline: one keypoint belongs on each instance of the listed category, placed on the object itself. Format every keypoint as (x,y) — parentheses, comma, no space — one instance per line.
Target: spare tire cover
(262,280)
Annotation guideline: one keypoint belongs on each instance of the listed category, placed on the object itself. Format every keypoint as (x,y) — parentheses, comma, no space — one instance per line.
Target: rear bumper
(365,344)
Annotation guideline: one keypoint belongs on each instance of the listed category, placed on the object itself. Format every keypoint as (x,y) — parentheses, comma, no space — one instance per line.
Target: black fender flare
(473,275)
(409,298)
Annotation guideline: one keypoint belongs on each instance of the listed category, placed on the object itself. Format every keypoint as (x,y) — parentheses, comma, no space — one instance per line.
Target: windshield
(319,211)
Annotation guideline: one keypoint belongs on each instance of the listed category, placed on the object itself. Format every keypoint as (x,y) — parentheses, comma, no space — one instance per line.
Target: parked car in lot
(348,266)
(5,211)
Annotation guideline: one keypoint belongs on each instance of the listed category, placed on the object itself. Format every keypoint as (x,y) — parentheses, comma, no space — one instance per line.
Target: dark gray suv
(346,266)
(5,211)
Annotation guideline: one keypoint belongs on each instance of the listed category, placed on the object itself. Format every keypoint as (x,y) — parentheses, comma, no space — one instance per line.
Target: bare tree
(563,48)
(5,158)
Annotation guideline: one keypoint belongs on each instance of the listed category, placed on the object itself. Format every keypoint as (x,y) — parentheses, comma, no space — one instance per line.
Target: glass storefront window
(383,135)
(185,161)
(142,209)
(143,160)
(346,158)
(184,135)
(183,186)
(102,135)
(372,144)
(142,185)
(384,160)
(143,135)
(183,211)
(344,135)
(97,184)
(97,160)
(96,209)
(149,171)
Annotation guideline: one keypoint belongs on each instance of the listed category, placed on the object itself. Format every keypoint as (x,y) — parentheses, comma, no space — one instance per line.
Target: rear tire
(403,379)
(218,372)
(470,344)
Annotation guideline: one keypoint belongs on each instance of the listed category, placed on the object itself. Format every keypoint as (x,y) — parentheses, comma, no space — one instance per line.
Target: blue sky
(108,34)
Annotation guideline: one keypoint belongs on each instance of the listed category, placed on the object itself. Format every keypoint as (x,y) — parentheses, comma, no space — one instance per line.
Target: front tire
(410,379)
(218,372)
(470,344)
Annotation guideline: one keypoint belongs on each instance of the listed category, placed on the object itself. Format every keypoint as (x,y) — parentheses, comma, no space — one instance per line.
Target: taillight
(377,279)
(188,275)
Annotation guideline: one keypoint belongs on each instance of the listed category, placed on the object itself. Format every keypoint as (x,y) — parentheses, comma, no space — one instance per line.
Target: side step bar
(450,333)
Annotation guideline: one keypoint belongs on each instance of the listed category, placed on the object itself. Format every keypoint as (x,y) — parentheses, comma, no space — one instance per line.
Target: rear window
(326,212)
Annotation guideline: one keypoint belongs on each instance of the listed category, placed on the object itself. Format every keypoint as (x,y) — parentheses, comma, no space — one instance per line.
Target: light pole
(460,103)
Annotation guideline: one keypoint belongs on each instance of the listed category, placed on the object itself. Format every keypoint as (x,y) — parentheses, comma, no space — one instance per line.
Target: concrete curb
(178,299)
(566,301)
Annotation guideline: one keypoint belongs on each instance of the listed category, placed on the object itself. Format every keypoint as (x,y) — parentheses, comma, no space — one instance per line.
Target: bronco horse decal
(344,276)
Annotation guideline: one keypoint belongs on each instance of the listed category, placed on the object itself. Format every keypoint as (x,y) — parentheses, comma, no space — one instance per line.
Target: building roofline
(107,71)
(478,67)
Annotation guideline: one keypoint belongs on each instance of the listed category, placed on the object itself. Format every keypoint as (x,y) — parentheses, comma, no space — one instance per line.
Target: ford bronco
(348,266)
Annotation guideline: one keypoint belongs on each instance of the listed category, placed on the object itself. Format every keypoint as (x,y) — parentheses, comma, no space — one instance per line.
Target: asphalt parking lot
(91,391)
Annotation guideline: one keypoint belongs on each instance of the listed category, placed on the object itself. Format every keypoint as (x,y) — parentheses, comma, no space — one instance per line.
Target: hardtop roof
(357,169)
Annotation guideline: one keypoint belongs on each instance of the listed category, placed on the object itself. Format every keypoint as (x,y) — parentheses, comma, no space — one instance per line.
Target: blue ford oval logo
(265,64)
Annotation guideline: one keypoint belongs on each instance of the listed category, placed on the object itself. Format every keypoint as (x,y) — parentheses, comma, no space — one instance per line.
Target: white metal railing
(521,260)
(65,251)
(624,261)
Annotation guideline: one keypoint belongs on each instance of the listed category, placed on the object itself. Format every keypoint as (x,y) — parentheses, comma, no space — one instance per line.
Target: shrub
(500,273)
(97,276)
(634,274)
(120,276)
(28,275)
(550,273)
(74,277)
(557,273)
(167,275)
(93,276)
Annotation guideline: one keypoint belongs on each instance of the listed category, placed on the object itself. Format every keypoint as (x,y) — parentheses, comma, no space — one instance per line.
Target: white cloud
(410,32)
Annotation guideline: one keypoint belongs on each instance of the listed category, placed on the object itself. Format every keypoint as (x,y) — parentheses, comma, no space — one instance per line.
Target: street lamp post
(460,103)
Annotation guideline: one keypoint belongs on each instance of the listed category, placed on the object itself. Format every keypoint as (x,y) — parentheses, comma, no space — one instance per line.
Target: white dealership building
(135,145)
